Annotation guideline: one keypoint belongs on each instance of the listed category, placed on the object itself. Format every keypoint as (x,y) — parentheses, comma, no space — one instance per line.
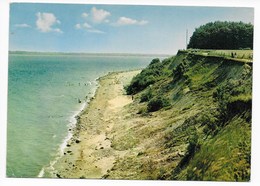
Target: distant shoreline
(85,54)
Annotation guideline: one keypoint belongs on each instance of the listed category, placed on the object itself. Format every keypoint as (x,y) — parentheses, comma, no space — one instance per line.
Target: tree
(222,35)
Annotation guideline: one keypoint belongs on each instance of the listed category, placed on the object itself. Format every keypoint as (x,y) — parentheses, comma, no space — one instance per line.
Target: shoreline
(80,158)
(72,122)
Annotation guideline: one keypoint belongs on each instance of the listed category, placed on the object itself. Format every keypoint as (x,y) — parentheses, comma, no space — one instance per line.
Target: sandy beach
(89,153)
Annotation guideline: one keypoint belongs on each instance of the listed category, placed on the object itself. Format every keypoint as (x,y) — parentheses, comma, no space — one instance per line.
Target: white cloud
(82,26)
(46,21)
(78,26)
(57,30)
(128,21)
(95,16)
(86,25)
(22,25)
(93,30)
(84,15)
(88,28)
(99,15)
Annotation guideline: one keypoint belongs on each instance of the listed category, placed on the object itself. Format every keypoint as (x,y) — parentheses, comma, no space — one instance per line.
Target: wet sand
(89,153)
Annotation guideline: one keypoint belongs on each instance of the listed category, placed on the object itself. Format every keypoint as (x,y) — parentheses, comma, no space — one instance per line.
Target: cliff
(190,119)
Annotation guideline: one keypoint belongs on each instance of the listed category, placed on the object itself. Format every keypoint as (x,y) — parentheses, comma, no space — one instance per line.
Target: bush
(157,103)
(148,76)
(154,61)
(233,97)
(139,83)
(147,96)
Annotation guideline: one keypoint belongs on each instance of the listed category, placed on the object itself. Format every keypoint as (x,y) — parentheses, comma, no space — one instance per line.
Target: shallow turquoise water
(43,93)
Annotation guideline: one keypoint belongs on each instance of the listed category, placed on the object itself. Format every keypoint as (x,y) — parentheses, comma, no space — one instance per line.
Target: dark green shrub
(139,83)
(148,76)
(233,97)
(147,96)
(154,61)
(157,103)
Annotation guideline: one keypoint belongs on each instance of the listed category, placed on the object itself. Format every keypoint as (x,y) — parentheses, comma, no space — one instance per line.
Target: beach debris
(58,176)
(77,141)
(79,101)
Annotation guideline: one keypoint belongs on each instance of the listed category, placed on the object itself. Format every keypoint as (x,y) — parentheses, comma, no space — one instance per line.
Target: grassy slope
(196,136)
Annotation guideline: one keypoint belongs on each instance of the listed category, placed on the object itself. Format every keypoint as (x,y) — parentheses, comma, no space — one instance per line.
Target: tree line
(223,35)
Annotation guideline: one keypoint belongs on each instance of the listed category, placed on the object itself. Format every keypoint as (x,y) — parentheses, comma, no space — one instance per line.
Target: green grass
(187,138)
(240,54)
(236,55)
(224,157)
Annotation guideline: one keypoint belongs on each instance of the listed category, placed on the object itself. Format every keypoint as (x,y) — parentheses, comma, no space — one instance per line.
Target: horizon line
(110,53)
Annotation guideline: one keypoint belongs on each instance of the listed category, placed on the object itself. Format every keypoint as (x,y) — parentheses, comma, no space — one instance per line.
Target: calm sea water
(43,93)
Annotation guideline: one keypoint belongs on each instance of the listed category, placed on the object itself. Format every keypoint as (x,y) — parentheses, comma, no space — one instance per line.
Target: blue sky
(110,28)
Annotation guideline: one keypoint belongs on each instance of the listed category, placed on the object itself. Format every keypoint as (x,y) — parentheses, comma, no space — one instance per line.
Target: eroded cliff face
(190,120)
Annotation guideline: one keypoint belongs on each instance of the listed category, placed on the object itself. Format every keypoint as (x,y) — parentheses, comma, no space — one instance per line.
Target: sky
(99,28)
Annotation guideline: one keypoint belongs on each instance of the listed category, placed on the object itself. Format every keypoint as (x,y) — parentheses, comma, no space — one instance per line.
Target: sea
(45,93)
